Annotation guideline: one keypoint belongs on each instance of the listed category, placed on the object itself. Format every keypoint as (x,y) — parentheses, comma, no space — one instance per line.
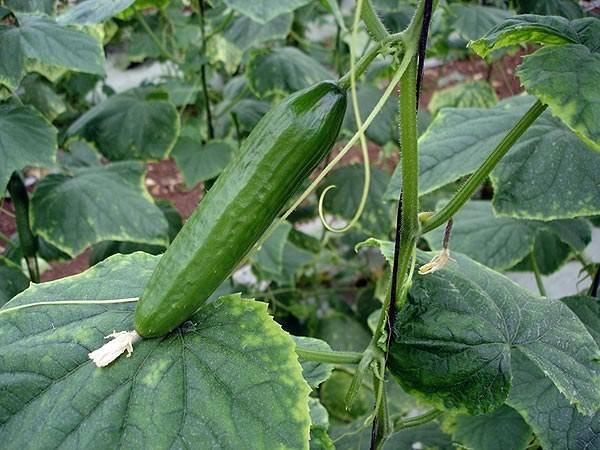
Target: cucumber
(281,151)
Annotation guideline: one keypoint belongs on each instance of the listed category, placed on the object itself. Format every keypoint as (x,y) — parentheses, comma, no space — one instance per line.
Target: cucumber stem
(475,180)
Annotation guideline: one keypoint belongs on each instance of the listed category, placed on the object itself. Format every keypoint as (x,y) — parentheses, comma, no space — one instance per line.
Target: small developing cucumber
(282,150)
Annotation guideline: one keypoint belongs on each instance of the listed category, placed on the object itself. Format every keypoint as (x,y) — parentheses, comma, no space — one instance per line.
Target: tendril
(361,135)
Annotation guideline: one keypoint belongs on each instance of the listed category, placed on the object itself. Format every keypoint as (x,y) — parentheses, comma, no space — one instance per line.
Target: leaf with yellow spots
(228,379)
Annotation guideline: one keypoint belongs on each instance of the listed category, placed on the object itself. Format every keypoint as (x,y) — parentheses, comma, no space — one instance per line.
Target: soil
(164,180)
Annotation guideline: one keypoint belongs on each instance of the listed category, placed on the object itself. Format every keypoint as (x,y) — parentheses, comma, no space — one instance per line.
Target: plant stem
(210,132)
(372,21)
(163,50)
(327,356)
(401,423)
(538,275)
(5,238)
(475,180)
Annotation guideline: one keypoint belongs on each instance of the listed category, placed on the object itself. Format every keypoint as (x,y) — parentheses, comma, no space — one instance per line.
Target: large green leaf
(200,162)
(455,337)
(12,280)
(282,71)
(531,28)
(471,94)
(39,44)
(556,423)
(265,10)
(473,21)
(502,429)
(135,124)
(93,11)
(97,204)
(566,78)
(567,8)
(229,379)
(26,139)
(245,33)
(501,242)
(548,174)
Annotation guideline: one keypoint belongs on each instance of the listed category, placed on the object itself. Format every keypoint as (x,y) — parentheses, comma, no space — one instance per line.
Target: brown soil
(164,180)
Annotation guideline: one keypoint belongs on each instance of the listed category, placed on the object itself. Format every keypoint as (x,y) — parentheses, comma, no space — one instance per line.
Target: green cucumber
(282,150)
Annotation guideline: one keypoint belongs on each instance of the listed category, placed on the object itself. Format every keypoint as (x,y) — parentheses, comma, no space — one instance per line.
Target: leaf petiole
(475,180)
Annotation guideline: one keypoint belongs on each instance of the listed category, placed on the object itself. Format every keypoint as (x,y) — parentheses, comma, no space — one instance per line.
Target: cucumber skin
(283,149)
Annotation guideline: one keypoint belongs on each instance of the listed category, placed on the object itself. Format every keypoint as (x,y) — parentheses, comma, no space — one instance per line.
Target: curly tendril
(361,135)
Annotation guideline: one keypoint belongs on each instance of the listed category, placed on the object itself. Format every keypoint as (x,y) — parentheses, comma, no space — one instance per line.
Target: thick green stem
(325,356)
(373,22)
(475,180)
(401,423)
(537,275)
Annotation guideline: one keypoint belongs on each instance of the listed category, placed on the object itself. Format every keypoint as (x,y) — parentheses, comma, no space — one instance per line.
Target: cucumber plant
(308,301)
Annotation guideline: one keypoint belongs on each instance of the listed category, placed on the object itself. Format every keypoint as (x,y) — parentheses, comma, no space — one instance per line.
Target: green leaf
(501,242)
(42,96)
(588,311)
(105,249)
(319,424)
(534,29)
(26,139)
(180,92)
(345,198)
(245,33)
(567,8)
(471,94)
(473,21)
(333,396)
(503,429)
(555,243)
(555,422)
(269,258)
(38,44)
(77,153)
(526,181)
(497,242)
(228,379)
(93,11)
(265,10)
(97,204)
(34,6)
(200,162)
(343,333)
(456,336)
(553,74)
(131,125)
(282,71)
(313,372)
(12,280)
